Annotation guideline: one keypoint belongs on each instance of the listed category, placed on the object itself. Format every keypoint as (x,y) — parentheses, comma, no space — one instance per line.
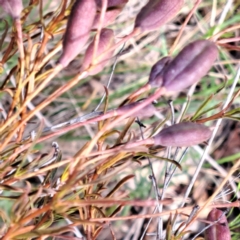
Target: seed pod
(155,78)
(109,17)
(190,65)
(111,3)
(220,230)
(145,112)
(183,134)
(156,74)
(78,29)
(12,7)
(106,41)
(156,13)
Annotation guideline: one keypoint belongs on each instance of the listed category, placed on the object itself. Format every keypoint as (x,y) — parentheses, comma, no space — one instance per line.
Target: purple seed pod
(156,13)
(12,7)
(100,60)
(145,112)
(155,77)
(156,74)
(220,230)
(109,17)
(111,3)
(78,29)
(183,134)
(190,65)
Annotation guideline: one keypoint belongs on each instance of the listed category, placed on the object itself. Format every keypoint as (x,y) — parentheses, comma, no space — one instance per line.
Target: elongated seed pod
(100,60)
(145,112)
(183,134)
(110,16)
(12,7)
(220,230)
(78,29)
(190,65)
(155,77)
(111,3)
(156,74)
(156,13)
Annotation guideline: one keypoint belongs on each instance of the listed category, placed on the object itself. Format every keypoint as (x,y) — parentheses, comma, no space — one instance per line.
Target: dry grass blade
(119,162)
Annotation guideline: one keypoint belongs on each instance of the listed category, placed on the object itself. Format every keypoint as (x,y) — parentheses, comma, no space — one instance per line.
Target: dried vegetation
(165,76)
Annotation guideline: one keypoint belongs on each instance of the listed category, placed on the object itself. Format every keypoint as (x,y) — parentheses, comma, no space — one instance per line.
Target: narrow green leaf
(160,158)
(201,107)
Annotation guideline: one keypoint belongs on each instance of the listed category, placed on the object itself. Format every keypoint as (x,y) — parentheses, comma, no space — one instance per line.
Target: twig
(220,169)
(111,76)
(153,178)
(213,223)
(184,25)
(225,11)
(219,121)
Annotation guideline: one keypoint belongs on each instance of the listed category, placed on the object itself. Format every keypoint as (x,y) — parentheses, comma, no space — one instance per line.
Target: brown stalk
(143,104)
(217,35)
(57,93)
(24,220)
(183,26)
(113,201)
(8,52)
(164,213)
(221,113)
(219,188)
(97,37)
(57,69)
(60,15)
(94,65)
(109,18)
(18,95)
(228,40)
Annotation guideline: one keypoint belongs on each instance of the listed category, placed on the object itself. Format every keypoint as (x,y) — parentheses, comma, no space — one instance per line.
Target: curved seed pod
(106,41)
(155,78)
(111,3)
(190,65)
(220,230)
(156,13)
(109,17)
(78,29)
(12,7)
(183,134)
(145,112)
(156,74)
